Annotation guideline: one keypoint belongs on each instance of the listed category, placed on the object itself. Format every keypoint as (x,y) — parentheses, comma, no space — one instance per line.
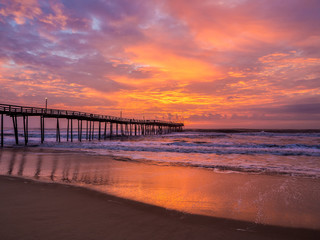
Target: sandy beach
(37,210)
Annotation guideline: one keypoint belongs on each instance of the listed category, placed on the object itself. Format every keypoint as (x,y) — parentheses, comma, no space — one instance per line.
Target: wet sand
(265,199)
(37,210)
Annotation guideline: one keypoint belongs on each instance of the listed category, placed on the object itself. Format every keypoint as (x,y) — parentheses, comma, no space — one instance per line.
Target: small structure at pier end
(126,126)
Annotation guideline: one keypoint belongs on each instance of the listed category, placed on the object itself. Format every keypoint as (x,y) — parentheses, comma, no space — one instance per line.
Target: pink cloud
(205,60)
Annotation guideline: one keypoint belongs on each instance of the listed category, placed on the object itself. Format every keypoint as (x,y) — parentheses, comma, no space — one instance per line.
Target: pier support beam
(121,129)
(117,129)
(1,130)
(68,130)
(105,131)
(42,128)
(110,130)
(126,131)
(71,129)
(58,139)
(15,128)
(25,129)
(87,131)
(79,130)
(90,130)
(92,133)
(130,128)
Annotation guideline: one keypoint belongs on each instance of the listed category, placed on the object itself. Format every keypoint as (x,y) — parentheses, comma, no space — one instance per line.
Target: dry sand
(34,210)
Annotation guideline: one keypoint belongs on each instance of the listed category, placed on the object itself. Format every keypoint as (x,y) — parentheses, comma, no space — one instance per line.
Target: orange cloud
(172,66)
(28,9)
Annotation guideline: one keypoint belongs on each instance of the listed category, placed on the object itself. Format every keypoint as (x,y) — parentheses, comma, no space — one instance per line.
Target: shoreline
(32,209)
(219,169)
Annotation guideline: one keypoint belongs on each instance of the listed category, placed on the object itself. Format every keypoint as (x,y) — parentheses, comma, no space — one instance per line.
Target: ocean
(280,152)
(262,176)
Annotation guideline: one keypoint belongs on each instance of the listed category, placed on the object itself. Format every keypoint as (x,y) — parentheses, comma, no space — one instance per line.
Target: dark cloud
(295,109)
(206,117)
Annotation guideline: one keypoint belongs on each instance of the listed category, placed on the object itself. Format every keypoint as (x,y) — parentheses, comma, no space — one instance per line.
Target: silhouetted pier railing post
(128,127)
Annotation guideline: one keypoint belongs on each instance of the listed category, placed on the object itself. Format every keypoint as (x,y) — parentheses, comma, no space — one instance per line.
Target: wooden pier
(126,126)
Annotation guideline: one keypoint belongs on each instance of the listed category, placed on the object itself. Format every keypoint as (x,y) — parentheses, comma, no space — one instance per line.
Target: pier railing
(137,126)
(48,112)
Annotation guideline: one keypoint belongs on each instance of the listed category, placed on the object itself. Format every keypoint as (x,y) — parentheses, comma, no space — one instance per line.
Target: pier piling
(15,128)
(1,130)
(58,139)
(71,128)
(25,129)
(110,130)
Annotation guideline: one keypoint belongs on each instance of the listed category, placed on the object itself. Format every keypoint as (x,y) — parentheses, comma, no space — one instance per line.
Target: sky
(209,63)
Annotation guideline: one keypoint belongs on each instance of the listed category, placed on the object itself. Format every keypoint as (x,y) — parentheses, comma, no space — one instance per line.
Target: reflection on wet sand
(38,169)
(60,170)
(11,164)
(54,168)
(22,163)
(277,200)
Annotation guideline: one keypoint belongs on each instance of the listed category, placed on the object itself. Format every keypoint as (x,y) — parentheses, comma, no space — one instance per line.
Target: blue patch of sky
(72,31)
(12,23)
(67,54)
(95,24)
(10,64)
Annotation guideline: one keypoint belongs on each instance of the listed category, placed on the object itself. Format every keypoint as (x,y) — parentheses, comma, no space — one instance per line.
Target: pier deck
(128,127)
